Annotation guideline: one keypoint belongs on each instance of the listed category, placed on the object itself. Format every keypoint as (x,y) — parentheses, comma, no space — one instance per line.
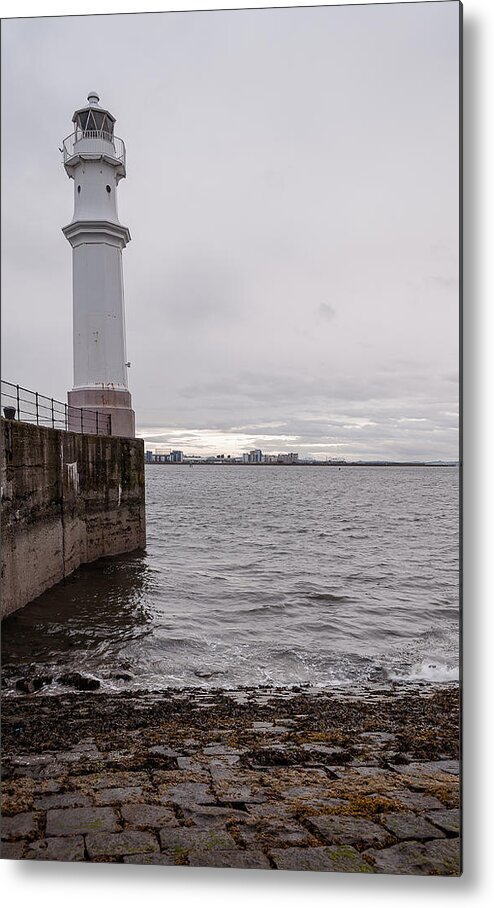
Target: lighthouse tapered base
(117,404)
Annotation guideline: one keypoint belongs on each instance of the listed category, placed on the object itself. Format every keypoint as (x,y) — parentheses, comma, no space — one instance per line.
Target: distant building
(176,456)
(288,458)
(148,457)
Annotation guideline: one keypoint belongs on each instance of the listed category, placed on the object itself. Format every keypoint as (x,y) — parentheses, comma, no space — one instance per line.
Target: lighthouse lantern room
(94,158)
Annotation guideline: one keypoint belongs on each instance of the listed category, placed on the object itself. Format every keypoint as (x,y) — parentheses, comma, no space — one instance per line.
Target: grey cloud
(326,311)
(256,195)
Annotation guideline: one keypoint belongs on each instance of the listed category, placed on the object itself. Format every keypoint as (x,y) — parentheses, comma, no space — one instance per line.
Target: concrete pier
(67,499)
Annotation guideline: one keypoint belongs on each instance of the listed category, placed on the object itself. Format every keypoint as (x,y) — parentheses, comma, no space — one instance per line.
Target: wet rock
(31,685)
(80,682)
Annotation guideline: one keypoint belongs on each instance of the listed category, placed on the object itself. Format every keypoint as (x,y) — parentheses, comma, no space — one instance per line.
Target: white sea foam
(436,672)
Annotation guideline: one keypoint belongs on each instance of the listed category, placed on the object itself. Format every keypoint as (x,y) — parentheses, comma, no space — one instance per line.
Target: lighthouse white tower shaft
(95,159)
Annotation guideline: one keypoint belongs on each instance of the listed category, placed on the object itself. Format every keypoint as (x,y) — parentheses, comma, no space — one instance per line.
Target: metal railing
(30,406)
(98,140)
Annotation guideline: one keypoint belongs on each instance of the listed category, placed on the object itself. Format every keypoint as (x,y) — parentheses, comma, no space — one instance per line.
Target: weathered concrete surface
(66,499)
(252,779)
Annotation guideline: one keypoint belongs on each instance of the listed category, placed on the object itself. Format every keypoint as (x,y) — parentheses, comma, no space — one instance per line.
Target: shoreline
(333,780)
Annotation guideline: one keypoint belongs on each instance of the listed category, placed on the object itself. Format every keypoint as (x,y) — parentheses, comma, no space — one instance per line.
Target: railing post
(37,411)
(52,415)
(18,403)
(66,418)
(97,427)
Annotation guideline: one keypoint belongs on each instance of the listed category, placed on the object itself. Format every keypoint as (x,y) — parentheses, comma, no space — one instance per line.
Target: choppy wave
(282,576)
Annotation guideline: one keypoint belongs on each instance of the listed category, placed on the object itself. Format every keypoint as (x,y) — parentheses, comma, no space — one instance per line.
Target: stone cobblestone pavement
(257,780)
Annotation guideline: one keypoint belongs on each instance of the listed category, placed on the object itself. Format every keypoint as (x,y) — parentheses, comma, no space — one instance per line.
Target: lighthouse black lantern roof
(93,121)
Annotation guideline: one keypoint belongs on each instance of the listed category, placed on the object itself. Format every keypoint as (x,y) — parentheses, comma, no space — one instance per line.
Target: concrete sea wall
(66,499)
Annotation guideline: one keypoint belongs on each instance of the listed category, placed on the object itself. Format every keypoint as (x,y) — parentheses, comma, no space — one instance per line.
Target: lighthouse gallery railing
(100,140)
(30,406)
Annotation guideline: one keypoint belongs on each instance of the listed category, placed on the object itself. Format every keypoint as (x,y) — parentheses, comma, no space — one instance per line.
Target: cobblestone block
(12,850)
(117,795)
(448,820)
(274,810)
(68,848)
(232,784)
(349,830)
(216,750)
(415,800)
(206,816)
(245,860)
(310,792)
(433,768)
(163,751)
(20,826)
(188,839)
(274,833)
(188,793)
(342,858)
(193,767)
(440,857)
(148,815)
(409,826)
(115,844)
(80,820)
(165,859)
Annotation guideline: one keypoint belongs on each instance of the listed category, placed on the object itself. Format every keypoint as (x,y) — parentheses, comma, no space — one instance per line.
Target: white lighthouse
(94,158)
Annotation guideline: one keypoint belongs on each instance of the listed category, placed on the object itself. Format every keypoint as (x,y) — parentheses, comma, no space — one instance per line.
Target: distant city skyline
(257,456)
(292,195)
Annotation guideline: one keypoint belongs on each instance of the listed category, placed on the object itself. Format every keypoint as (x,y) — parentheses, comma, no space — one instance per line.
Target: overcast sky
(292,196)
